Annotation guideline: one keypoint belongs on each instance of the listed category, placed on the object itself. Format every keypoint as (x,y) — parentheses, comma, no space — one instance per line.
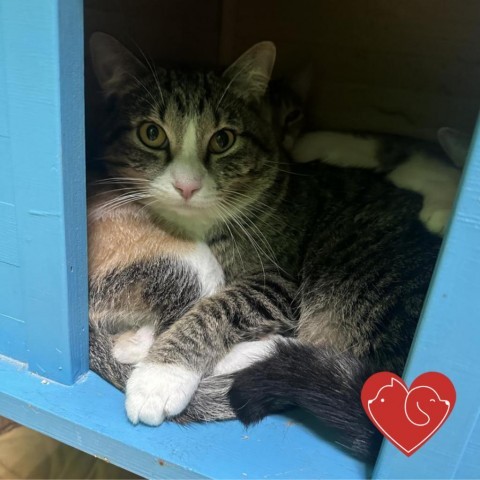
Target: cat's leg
(337,148)
(437,210)
(244,354)
(102,360)
(122,336)
(133,346)
(436,220)
(211,400)
(162,385)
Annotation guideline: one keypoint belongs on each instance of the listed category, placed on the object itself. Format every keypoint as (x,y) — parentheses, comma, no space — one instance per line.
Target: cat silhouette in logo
(408,418)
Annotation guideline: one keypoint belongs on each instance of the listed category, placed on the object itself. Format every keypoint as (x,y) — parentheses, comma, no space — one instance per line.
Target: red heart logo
(408,417)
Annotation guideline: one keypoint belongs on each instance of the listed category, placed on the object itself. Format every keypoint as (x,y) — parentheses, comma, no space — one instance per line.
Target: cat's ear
(250,74)
(114,65)
(455,144)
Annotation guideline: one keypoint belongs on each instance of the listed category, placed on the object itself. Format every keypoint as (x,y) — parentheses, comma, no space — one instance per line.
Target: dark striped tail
(323,382)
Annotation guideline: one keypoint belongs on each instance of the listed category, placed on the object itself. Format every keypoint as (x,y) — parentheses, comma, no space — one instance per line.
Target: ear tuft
(455,144)
(250,74)
(113,64)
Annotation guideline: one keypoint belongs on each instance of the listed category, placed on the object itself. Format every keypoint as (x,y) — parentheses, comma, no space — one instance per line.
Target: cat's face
(197,147)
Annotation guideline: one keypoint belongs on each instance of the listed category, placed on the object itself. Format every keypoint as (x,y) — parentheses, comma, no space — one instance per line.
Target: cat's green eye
(152,135)
(221,141)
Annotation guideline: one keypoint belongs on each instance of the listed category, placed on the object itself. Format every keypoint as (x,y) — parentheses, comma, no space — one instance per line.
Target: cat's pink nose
(187,189)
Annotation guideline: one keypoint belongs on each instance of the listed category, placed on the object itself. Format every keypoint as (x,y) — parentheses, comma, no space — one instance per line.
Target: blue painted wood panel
(3,96)
(44,215)
(12,326)
(448,341)
(9,237)
(90,415)
(12,341)
(6,164)
(469,464)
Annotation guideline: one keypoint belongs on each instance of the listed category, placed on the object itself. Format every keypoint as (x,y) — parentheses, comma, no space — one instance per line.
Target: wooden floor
(25,453)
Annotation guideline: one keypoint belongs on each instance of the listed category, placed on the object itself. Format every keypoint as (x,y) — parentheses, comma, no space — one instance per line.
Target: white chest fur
(206,266)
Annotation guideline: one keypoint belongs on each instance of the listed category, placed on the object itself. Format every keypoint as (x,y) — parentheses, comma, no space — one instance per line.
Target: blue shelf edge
(89,415)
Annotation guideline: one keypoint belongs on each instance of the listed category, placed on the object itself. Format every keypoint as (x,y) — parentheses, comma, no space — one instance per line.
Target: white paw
(156,391)
(133,347)
(436,220)
(245,354)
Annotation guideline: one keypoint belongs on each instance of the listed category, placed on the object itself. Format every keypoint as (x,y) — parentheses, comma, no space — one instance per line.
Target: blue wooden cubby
(44,379)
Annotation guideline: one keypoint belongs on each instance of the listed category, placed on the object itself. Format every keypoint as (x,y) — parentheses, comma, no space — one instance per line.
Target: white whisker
(252,241)
(154,105)
(120,201)
(230,83)
(151,66)
(226,222)
(254,230)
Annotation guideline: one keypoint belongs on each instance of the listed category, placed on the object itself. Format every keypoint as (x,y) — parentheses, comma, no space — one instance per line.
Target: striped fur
(334,256)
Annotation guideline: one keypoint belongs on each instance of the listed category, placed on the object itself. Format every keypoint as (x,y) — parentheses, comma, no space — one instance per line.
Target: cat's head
(196,147)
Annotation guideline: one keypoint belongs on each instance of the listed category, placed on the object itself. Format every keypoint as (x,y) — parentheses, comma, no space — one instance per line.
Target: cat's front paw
(436,220)
(156,391)
(132,347)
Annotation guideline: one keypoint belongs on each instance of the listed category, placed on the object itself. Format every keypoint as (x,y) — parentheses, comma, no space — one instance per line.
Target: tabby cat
(335,256)
(142,278)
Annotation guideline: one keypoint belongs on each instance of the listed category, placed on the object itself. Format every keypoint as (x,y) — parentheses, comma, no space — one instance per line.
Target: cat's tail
(317,379)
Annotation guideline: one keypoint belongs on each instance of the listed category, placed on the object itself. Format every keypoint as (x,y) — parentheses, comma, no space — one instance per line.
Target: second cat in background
(429,169)
(411,164)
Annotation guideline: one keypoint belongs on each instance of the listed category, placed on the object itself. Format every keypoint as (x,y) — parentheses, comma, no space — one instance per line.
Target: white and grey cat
(335,257)
(408,163)
(142,278)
